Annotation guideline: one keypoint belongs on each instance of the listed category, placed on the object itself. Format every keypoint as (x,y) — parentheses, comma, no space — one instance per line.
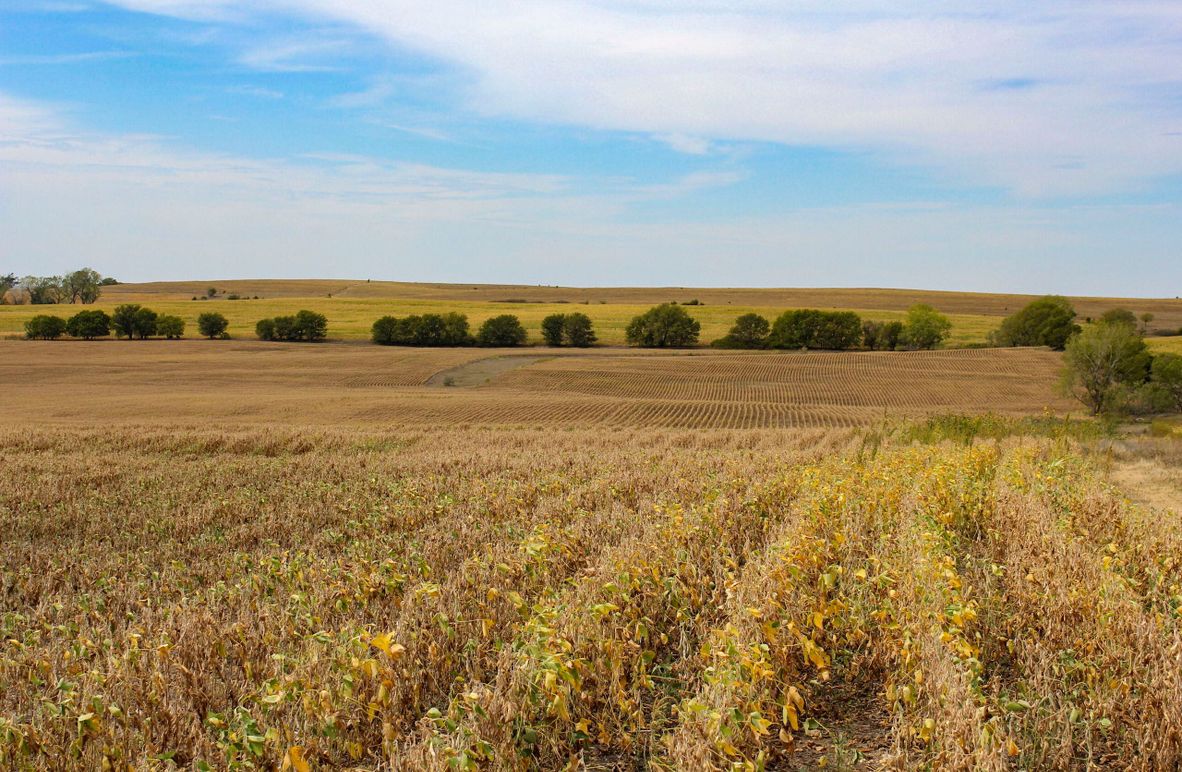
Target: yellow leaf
(381,642)
(294,760)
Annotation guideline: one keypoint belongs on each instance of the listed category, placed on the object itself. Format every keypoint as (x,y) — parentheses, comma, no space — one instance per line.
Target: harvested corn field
(616,599)
(234,383)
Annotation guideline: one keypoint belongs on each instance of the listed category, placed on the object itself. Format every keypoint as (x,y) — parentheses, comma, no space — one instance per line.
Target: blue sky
(1009,146)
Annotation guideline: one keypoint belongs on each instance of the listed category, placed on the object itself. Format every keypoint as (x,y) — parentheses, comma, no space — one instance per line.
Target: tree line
(81,286)
(131,321)
(810,328)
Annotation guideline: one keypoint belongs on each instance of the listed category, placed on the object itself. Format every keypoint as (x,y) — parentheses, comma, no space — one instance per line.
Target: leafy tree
(501,331)
(89,325)
(552,328)
(1048,321)
(426,330)
(145,323)
(1119,316)
(171,327)
(882,336)
(123,320)
(1167,375)
(311,326)
(7,282)
(1146,318)
(45,327)
(663,326)
(108,281)
(43,290)
(81,286)
(810,328)
(925,328)
(265,329)
(749,331)
(1101,360)
(577,331)
(212,324)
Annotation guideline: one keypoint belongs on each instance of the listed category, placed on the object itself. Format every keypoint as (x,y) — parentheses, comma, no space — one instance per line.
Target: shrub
(307,326)
(426,330)
(663,326)
(1119,316)
(552,327)
(1048,321)
(810,328)
(212,324)
(1167,375)
(45,327)
(171,327)
(925,328)
(882,336)
(501,331)
(145,323)
(1103,363)
(577,331)
(89,325)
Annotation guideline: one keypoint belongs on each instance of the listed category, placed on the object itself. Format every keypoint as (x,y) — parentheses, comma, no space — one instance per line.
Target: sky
(1020,146)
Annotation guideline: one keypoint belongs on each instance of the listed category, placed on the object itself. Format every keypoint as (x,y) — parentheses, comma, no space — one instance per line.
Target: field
(352,306)
(241,555)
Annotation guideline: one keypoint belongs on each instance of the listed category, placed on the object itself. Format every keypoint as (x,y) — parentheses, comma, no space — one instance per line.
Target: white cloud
(922,82)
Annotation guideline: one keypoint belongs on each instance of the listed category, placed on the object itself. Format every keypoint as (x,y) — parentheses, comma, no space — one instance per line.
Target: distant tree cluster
(422,330)
(1048,321)
(306,326)
(126,321)
(81,286)
(573,330)
(665,326)
(808,328)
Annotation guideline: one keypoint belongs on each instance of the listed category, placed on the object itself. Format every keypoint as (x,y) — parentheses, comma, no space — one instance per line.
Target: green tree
(925,328)
(1048,321)
(7,282)
(664,326)
(43,290)
(171,327)
(1101,361)
(265,329)
(212,324)
(1119,316)
(501,331)
(89,325)
(82,286)
(577,330)
(45,327)
(145,323)
(1167,376)
(1146,318)
(310,326)
(810,328)
(552,329)
(123,320)
(748,331)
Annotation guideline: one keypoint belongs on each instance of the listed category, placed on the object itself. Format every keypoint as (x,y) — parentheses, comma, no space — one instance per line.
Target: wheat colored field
(244,555)
(352,306)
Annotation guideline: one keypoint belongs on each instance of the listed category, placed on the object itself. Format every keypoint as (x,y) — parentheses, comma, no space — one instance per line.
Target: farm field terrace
(482,598)
(353,306)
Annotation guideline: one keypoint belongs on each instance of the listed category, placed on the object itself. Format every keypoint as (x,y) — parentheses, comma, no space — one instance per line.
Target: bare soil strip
(481,371)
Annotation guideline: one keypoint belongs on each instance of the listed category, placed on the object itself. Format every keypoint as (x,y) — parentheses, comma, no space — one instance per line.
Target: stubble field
(234,555)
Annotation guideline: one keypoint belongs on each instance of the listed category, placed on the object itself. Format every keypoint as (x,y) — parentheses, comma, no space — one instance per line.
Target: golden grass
(230,383)
(353,306)
(461,599)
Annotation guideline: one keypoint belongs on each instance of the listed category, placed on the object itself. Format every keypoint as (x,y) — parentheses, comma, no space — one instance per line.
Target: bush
(568,330)
(145,323)
(171,327)
(1166,374)
(1048,321)
(307,326)
(1103,364)
(552,329)
(1119,316)
(882,336)
(426,330)
(45,327)
(663,326)
(89,325)
(925,328)
(212,324)
(810,328)
(501,331)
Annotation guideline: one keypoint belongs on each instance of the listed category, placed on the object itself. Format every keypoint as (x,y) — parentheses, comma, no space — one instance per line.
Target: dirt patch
(481,371)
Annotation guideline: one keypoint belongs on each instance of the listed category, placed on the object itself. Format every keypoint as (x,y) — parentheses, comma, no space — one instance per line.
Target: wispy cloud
(73,58)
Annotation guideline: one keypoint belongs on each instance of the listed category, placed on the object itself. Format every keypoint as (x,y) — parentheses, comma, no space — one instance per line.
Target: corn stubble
(484,599)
